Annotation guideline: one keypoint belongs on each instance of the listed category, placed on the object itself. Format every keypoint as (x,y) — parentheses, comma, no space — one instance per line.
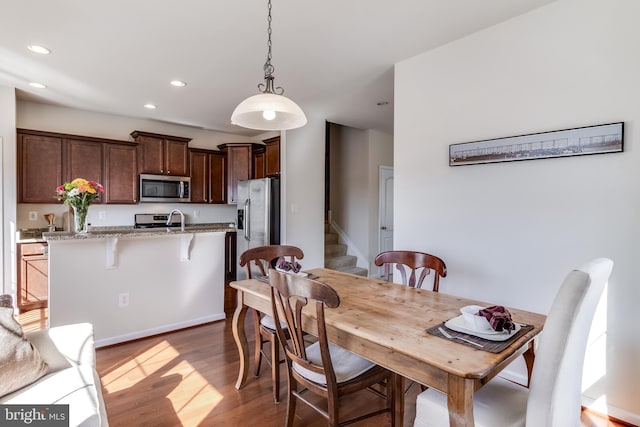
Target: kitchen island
(131,283)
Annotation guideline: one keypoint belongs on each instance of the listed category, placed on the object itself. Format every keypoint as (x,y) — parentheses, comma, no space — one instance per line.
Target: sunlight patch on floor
(193,393)
(133,371)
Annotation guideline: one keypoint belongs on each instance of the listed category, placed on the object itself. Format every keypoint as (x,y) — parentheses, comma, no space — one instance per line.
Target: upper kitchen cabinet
(83,159)
(162,154)
(120,173)
(266,159)
(272,156)
(48,159)
(259,163)
(208,178)
(39,166)
(239,165)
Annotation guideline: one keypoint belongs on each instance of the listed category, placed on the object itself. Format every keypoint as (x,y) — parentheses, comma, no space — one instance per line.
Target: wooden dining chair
(258,261)
(553,399)
(419,264)
(321,368)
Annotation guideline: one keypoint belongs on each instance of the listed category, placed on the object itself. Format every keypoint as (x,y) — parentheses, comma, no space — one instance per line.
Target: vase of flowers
(79,194)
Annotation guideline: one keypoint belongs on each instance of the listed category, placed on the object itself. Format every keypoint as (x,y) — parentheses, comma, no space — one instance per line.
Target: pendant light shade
(269,110)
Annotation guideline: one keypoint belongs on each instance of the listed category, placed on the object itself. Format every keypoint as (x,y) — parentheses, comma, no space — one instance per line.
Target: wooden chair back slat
(412,261)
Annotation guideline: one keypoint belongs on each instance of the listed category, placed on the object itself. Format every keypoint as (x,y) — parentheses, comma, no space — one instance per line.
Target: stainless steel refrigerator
(258,221)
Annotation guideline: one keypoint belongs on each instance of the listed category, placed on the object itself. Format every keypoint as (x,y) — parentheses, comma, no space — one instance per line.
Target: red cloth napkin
(499,318)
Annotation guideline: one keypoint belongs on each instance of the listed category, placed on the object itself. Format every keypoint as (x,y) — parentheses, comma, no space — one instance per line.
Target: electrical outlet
(123,299)
(196,214)
(33,216)
(102,214)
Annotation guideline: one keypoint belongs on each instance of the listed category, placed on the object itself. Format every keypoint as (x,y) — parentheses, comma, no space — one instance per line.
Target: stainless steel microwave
(165,188)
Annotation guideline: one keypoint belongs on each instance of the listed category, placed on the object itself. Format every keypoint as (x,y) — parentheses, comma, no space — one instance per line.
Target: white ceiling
(333,57)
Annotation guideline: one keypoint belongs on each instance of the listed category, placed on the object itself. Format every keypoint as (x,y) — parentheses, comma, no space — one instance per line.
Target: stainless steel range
(156,220)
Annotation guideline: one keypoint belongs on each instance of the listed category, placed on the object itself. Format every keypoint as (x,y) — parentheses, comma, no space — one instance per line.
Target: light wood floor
(187,377)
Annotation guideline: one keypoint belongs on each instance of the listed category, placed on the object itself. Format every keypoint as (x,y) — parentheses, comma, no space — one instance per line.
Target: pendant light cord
(267,86)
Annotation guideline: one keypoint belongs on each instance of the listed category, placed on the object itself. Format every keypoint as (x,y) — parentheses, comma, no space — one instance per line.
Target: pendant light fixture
(269,110)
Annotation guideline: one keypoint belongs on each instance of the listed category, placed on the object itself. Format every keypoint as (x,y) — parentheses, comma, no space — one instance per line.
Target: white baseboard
(609,410)
(158,330)
(513,375)
(516,372)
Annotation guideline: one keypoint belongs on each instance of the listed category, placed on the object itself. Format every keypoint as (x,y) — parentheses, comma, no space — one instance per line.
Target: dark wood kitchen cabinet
(266,159)
(39,166)
(162,154)
(259,163)
(272,157)
(208,178)
(120,173)
(230,272)
(83,159)
(32,276)
(239,165)
(48,159)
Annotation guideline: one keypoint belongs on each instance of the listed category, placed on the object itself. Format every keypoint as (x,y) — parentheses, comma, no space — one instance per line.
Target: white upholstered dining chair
(553,399)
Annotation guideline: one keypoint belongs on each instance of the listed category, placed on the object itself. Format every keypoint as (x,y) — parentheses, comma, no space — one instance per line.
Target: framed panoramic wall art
(599,139)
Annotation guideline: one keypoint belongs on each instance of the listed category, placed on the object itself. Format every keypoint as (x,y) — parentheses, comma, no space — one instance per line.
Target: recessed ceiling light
(38,49)
(38,85)
(178,83)
(150,106)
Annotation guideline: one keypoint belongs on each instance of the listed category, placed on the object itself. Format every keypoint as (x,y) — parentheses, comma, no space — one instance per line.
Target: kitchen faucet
(181,218)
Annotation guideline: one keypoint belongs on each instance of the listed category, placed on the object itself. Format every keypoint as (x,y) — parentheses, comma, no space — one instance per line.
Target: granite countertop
(130,231)
(32,240)
(30,235)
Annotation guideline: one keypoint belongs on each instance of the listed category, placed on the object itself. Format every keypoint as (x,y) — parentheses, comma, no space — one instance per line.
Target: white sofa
(72,377)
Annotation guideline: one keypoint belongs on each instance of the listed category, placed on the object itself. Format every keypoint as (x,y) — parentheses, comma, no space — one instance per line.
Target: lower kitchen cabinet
(33,276)
(230,262)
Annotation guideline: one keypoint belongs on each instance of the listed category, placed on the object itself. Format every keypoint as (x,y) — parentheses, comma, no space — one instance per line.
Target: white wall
(380,154)
(356,157)
(31,115)
(349,207)
(8,187)
(172,281)
(509,232)
(302,180)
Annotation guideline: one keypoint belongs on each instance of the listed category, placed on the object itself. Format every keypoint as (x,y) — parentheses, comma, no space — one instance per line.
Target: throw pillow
(20,362)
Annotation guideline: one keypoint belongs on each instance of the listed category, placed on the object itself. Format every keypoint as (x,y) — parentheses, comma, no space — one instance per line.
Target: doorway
(385,211)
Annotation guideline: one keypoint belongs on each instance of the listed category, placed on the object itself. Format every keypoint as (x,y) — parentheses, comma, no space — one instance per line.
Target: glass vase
(80,219)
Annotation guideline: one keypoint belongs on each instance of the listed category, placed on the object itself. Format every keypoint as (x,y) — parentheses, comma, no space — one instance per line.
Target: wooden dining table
(387,324)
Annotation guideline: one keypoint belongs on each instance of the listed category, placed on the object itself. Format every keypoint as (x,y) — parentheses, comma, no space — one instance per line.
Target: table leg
(529,358)
(460,401)
(397,418)
(240,336)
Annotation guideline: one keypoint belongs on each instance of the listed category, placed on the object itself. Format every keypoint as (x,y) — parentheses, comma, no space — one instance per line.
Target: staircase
(335,255)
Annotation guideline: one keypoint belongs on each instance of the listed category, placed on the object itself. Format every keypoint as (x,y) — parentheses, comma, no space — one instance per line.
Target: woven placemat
(487,345)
